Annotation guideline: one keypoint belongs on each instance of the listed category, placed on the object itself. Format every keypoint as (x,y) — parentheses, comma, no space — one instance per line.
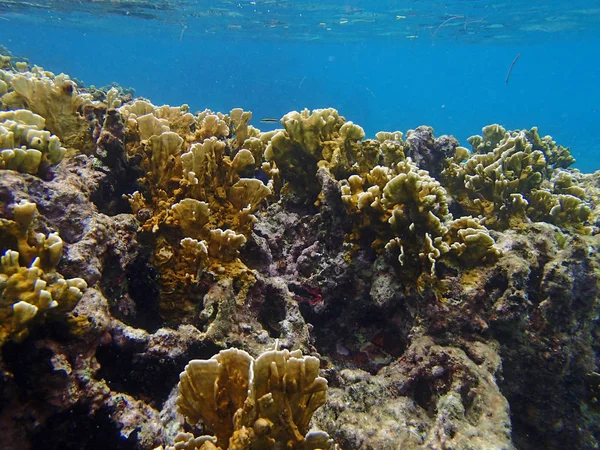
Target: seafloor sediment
(450,296)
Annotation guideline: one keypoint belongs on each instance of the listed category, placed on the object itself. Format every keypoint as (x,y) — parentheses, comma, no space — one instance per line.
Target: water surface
(386,65)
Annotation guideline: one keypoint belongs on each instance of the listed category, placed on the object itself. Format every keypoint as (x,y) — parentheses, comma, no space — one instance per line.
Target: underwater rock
(428,152)
(432,397)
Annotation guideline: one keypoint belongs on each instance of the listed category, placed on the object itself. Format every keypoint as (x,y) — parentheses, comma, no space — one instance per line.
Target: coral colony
(311,288)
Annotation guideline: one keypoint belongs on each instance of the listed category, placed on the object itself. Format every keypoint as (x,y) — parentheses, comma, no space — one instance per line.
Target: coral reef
(385,191)
(53,97)
(408,209)
(441,298)
(310,139)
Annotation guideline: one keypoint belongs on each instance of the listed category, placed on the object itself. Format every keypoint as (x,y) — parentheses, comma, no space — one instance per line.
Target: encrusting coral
(30,286)
(253,404)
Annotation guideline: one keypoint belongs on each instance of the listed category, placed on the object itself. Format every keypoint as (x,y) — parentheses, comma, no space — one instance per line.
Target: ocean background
(385,65)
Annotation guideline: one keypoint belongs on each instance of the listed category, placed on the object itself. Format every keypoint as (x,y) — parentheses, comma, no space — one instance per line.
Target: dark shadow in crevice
(130,369)
(76,429)
(142,288)
(121,170)
(272,312)
(355,337)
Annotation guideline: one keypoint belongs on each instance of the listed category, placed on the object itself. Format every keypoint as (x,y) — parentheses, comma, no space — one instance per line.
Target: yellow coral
(560,209)
(503,179)
(191,215)
(251,403)
(408,211)
(319,137)
(25,145)
(31,291)
(200,191)
(56,99)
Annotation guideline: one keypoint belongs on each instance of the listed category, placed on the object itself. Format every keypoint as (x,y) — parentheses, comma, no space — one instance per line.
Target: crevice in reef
(132,293)
(143,290)
(110,198)
(424,395)
(76,429)
(272,312)
(535,281)
(148,377)
(121,170)
(27,363)
(369,346)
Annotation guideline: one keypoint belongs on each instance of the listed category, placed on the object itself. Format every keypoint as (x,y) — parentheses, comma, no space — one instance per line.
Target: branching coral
(248,403)
(505,174)
(199,192)
(408,212)
(310,139)
(56,99)
(388,196)
(30,287)
(560,209)
(25,145)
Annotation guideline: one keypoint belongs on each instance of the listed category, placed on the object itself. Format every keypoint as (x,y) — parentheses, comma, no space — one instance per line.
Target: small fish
(269,120)
(352,10)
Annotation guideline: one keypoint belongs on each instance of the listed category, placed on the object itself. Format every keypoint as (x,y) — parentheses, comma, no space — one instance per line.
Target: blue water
(384,65)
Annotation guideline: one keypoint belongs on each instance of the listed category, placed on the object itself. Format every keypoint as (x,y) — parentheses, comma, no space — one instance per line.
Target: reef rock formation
(441,298)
